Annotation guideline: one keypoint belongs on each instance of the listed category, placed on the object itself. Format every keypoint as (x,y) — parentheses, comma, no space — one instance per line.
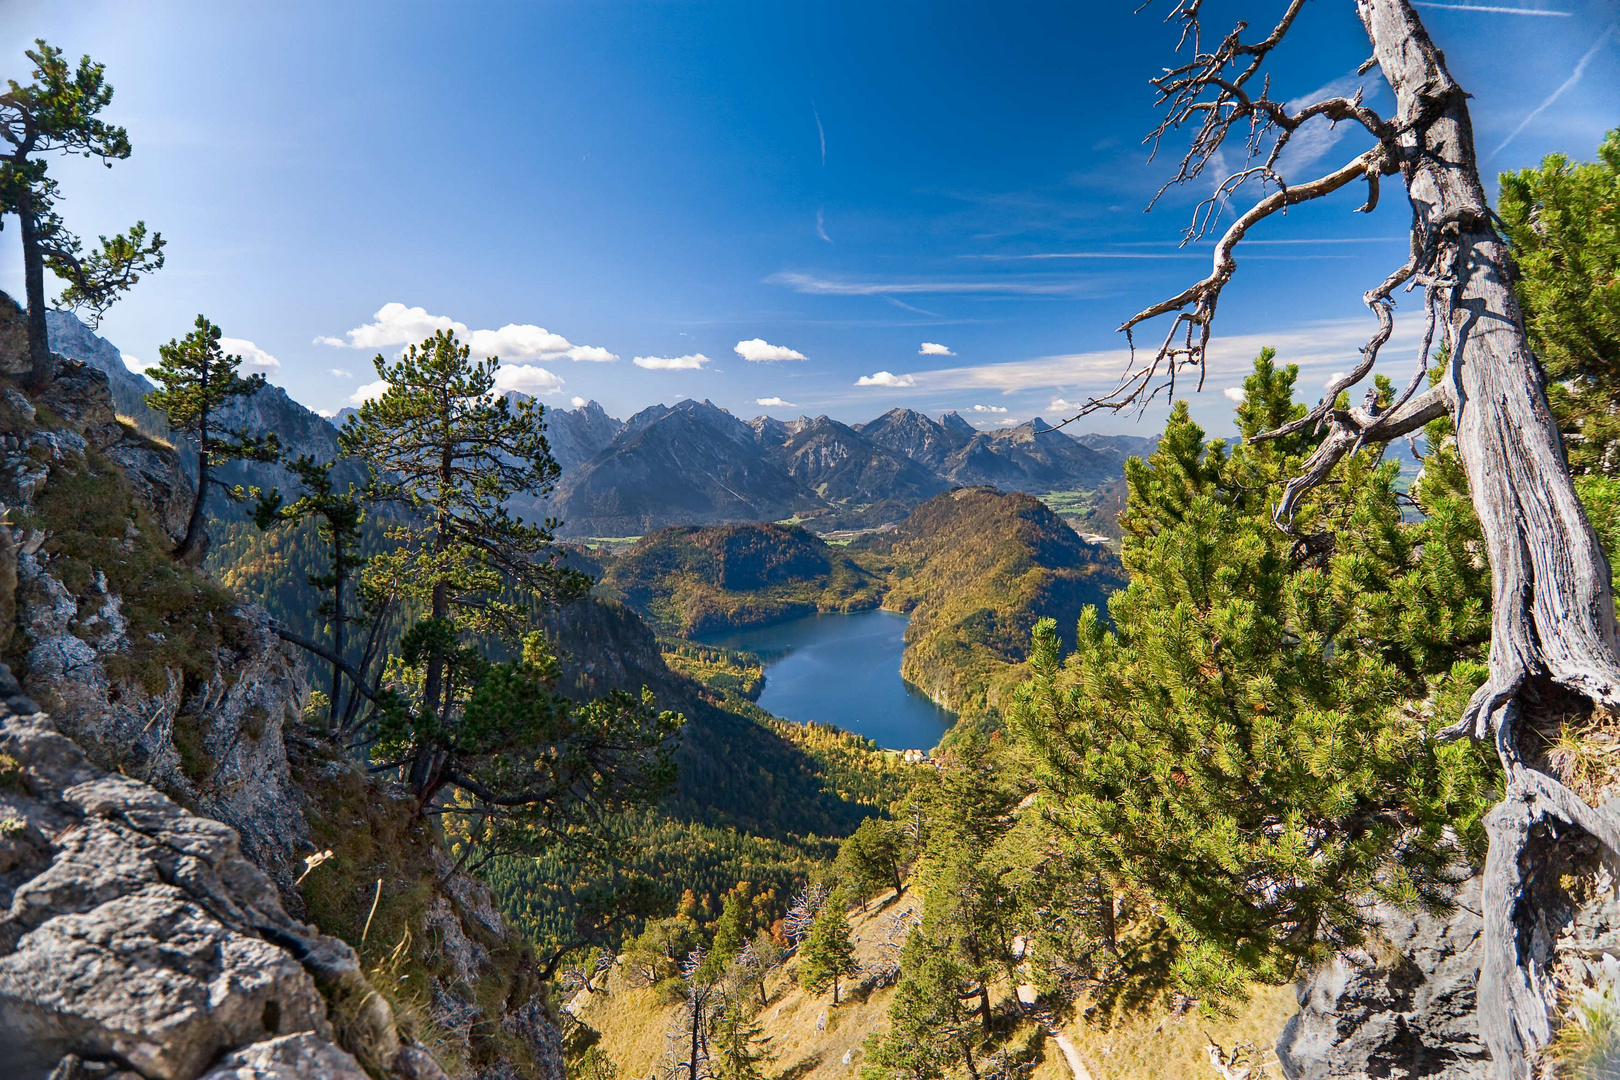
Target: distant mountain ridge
(691,463)
(658,468)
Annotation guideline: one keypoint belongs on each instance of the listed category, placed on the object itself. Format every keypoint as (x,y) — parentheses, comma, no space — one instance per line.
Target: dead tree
(1553,623)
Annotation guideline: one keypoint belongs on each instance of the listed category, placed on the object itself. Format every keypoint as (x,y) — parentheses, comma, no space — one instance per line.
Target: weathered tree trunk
(195,544)
(1552,612)
(40,367)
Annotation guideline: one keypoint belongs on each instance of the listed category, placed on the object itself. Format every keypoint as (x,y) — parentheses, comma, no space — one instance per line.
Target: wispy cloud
(342,373)
(1492,9)
(774,403)
(691,362)
(934,348)
(1318,348)
(886,378)
(821,223)
(760,351)
(821,134)
(1318,136)
(1011,286)
(396,324)
(1574,77)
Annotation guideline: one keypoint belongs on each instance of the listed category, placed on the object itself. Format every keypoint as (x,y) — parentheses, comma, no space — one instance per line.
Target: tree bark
(40,365)
(1552,616)
(195,545)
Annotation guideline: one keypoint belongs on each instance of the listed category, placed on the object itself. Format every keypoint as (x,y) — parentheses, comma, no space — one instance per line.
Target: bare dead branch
(1142,383)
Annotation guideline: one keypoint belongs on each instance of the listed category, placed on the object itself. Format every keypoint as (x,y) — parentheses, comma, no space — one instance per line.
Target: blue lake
(843,670)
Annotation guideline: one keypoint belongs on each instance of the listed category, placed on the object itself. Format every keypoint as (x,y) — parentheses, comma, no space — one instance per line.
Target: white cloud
(1329,380)
(251,354)
(521,343)
(368,392)
(760,351)
(1008,422)
(341,373)
(989,408)
(774,403)
(527,379)
(1236,393)
(396,324)
(692,362)
(137,366)
(1060,405)
(326,413)
(886,378)
(933,348)
(578,402)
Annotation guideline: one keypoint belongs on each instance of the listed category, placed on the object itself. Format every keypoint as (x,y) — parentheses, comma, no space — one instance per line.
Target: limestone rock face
(132,931)
(13,337)
(291,1057)
(233,722)
(81,395)
(1406,1012)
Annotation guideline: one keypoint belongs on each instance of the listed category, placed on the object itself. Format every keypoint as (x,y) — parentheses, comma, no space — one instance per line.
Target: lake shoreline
(842,669)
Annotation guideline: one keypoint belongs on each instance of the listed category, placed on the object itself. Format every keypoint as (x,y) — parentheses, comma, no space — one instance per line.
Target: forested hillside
(697,580)
(976,570)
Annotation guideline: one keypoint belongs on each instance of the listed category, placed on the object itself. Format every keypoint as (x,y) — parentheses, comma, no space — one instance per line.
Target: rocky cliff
(167,824)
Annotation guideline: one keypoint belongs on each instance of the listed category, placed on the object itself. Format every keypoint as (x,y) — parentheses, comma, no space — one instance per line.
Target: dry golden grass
(634,1026)
(634,1023)
(1158,1046)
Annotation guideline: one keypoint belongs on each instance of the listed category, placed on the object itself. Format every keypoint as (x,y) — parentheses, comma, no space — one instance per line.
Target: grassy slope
(634,1025)
(634,1022)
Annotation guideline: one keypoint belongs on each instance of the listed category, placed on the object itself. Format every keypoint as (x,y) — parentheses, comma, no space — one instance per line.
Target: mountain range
(694,463)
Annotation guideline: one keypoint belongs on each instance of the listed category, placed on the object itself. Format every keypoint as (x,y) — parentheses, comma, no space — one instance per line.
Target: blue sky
(849,183)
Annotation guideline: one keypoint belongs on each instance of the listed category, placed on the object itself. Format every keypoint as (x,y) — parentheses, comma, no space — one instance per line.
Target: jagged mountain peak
(953,422)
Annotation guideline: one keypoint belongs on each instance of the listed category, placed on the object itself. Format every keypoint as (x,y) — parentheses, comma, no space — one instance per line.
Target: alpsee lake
(843,670)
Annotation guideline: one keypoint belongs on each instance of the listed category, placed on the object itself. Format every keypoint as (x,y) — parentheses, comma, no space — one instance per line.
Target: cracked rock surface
(135,936)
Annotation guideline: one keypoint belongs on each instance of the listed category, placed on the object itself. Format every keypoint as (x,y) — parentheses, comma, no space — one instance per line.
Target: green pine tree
(339,517)
(741,1049)
(196,381)
(1232,749)
(60,113)
(930,1028)
(450,451)
(1564,222)
(828,954)
(870,859)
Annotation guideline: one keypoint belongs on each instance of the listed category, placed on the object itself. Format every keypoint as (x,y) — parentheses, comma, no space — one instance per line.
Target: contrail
(1496,10)
(1574,77)
(821,223)
(821,132)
